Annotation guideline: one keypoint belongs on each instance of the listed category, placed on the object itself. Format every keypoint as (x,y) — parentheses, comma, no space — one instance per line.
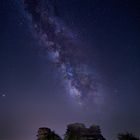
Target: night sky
(66,61)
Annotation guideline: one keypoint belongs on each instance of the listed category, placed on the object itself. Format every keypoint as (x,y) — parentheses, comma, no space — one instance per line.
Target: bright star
(3,95)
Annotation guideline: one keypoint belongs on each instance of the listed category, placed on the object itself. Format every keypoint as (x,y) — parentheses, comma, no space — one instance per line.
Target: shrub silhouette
(127,136)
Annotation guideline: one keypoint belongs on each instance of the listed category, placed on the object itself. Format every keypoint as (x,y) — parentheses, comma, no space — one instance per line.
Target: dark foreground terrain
(78,131)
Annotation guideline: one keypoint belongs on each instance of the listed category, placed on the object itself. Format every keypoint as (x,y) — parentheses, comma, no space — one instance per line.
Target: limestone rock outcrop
(78,131)
(46,134)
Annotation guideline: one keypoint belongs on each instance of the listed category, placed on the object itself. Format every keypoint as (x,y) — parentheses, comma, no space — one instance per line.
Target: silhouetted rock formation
(78,131)
(46,134)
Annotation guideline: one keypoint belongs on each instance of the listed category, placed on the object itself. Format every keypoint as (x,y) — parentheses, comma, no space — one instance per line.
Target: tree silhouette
(127,136)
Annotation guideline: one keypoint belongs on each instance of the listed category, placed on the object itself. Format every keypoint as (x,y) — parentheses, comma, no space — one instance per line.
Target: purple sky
(99,48)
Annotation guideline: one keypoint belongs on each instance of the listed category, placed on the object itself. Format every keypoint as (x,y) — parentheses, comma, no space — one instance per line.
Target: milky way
(63,49)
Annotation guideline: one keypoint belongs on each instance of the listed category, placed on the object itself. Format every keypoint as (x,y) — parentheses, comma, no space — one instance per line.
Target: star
(3,95)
